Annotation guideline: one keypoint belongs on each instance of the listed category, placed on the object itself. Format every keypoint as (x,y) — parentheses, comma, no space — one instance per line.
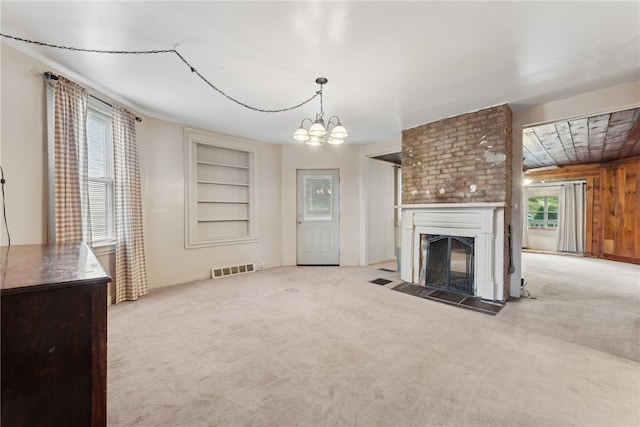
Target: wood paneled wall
(612,206)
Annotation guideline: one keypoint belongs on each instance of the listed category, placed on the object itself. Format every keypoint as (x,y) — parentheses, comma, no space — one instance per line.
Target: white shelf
(223,220)
(224,165)
(232,202)
(237,184)
(221,191)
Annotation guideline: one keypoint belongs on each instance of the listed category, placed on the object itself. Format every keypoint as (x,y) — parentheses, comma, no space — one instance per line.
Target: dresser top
(25,266)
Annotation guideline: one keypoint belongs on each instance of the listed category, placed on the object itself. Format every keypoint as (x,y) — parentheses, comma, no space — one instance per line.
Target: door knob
(299,220)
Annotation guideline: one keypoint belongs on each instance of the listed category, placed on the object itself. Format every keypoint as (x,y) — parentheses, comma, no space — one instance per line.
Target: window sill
(104,248)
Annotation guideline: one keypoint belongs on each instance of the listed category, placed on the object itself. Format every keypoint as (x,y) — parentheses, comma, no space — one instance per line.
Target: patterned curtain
(71,194)
(131,269)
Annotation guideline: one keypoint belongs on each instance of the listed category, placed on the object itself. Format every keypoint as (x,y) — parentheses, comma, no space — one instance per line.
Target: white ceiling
(390,65)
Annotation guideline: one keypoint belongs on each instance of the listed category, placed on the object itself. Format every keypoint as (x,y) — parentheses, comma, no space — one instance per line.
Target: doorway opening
(555,216)
(383,208)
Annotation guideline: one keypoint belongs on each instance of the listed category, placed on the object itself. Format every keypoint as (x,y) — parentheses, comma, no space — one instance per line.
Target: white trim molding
(482,221)
(225,212)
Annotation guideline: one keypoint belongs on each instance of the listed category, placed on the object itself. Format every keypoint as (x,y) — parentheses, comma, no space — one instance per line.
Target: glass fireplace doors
(449,263)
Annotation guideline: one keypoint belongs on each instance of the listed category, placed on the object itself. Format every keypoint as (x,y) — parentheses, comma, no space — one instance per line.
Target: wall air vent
(218,272)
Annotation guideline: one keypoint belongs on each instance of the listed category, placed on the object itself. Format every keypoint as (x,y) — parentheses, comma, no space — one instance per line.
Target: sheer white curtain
(131,270)
(571,218)
(67,114)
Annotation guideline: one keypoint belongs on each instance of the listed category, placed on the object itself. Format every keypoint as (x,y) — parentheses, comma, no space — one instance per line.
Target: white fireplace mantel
(482,221)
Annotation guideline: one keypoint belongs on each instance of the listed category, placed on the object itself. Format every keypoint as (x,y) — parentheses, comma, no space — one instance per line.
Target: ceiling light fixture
(317,133)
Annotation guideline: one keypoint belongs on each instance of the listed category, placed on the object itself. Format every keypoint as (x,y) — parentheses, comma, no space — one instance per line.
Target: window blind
(100,170)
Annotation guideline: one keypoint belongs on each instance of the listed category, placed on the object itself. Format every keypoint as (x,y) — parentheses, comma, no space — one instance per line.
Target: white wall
(23,153)
(344,157)
(161,149)
(606,100)
(352,161)
(168,261)
(543,239)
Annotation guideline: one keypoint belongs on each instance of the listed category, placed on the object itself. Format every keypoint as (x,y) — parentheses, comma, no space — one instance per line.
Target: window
(100,168)
(543,212)
(220,205)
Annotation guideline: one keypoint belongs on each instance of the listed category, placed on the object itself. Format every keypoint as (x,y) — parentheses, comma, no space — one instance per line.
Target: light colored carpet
(591,302)
(320,346)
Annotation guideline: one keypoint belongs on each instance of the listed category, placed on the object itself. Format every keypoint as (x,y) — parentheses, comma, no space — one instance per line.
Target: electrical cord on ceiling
(50,76)
(4,205)
(163,51)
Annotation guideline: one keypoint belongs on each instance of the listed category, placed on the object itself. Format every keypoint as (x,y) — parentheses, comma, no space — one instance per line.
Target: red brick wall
(461,159)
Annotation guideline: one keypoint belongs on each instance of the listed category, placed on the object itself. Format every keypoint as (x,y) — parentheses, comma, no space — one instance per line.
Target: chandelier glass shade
(318,132)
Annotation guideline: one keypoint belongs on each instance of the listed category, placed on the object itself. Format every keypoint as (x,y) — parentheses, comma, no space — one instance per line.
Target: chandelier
(319,133)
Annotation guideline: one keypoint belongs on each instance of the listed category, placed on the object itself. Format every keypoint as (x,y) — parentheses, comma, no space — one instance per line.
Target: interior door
(318,217)
(381,201)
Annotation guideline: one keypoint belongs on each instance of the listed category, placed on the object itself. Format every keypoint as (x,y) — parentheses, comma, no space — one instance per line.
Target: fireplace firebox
(447,262)
(482,222)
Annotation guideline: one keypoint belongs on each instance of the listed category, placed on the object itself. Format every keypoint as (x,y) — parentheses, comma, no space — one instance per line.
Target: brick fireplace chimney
(462,161)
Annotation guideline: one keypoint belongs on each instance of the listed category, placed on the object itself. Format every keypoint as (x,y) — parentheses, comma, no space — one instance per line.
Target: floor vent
(217,273)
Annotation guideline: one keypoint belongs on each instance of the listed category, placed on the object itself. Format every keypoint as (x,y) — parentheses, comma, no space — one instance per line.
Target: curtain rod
(50,76)
(555,183)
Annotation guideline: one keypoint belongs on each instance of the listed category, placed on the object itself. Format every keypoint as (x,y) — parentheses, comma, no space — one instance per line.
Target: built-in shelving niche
(221,188)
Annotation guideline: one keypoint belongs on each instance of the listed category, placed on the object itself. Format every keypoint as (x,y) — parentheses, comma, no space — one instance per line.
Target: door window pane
(317,198)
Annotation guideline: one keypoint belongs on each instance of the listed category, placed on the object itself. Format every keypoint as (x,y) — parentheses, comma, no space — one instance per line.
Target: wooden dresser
(53,310)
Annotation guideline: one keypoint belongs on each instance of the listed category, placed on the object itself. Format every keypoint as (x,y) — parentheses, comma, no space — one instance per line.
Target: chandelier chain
(321,103)
(173,51)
